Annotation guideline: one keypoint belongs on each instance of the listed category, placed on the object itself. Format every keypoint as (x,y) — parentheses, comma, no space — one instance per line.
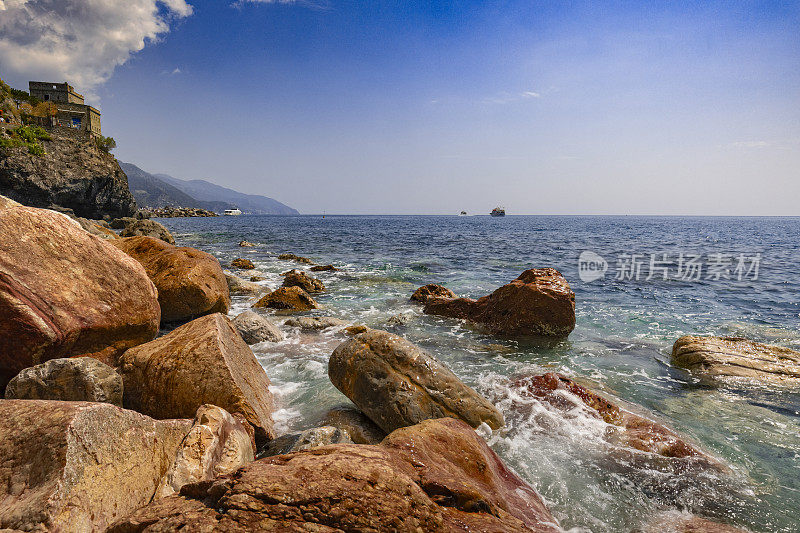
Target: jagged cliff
(73,173)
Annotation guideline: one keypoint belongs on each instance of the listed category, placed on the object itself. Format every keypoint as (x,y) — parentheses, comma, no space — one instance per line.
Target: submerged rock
(538,303)
(71,379)
(148,228)
(314,323)
(190,283)
(297,258)
(399,320)
(237,285)
(358,426)
(246,244)
(324,268)
(204,361)
(297,278)
(439,476)
(255,328)
(64,293)
(397,384)
(79,466)
(305,440)
(289,299)
(432,291)
(682,522)
(738,358)
(244,264)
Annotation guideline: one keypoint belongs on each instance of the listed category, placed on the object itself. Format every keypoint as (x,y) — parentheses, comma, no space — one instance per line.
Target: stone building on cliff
(72,111)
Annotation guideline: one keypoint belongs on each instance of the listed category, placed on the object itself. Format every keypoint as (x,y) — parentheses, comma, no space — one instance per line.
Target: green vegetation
(28,136)
(106,144)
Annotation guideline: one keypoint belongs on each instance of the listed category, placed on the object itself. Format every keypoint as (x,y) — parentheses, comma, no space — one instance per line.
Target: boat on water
(462,214)
(498,212)
(232,212)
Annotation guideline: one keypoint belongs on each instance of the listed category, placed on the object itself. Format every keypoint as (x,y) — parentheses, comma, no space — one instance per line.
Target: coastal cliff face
(73,173)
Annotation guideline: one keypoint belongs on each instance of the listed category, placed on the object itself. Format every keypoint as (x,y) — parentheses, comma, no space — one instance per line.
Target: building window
(46,97)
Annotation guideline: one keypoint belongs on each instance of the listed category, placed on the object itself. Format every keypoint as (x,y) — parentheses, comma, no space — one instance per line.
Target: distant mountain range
(162,190)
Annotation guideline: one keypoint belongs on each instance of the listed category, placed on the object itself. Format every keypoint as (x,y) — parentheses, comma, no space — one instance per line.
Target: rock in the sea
(190,283)
(324,268)
(257,278)
(297,278)
(683,522)
(432,291)
(397,384)
(255,328)
(355,329)
(358,426)
(399,320)
(244,264)
(439,476)
(538,303)
(289,299)
(65,293)
(204,361)
(217,444)
(738,358)
(78,379)
(296,258)
(79,466)
(237,285)
(314,323)
(246,244)
(305,440)
(148,228)
(122,222)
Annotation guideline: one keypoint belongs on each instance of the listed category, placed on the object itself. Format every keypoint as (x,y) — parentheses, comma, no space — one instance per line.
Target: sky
(337,106)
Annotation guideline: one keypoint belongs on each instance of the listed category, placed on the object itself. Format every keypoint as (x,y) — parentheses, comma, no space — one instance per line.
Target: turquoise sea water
(621,344)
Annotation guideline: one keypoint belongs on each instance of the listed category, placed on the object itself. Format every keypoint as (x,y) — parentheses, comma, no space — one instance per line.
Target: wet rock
(432,291)
(204,361)
(255,328)
(288,299)
(439,476)
(244,264)
(296,258)
(237,285)
(397,384)
(399,320)
(297,278)
(65,293)
(190,283)
(305,440)
(148,228)
(734,357)
(538,303)
(122,222)
(314,323)
(257,278)
(245,244)
(358,426)
(217,444)
(678,522)
(71,379)
(324,268)
(79,466)
(355,329)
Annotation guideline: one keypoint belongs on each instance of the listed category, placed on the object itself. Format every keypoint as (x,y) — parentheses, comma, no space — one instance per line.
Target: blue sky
(394,107)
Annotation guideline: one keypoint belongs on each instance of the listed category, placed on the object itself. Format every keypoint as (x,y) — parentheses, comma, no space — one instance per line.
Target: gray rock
(397,384)
(306,440)
(148,228)
(237,285)
(361,429)
(399,320)
(121,223)
(314,323)
(255,328)
(79,379)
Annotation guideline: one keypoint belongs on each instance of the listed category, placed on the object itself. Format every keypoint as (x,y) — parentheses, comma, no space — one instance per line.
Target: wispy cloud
(508,97)
(322,5)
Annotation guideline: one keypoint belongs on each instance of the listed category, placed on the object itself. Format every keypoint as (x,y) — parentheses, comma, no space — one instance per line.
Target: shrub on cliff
(106,144)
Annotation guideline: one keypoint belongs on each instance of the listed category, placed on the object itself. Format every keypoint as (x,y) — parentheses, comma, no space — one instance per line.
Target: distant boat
(498,212)
(463,214)
(232,212)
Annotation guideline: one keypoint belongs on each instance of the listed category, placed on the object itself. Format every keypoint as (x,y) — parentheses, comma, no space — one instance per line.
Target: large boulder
(287,299)
(237,285)
(720,357)
(79,379)
(217,444)
(305,440)
(204,361)
(255,328)
(298,278)
(190,283)
(397,384)
(439,476)
(432,291)
(148,228)
(98,228)
(79,466)
(539,303)
(64,293)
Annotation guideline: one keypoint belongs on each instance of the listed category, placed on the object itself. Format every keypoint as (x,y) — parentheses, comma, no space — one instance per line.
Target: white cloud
(80,41)
(323,5)
(508,98)
(531,94)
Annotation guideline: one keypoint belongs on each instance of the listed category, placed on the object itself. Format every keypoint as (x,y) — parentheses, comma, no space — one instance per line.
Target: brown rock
(257,278)
(361,429)
(296,258)
(324,268)
(79,466)
(5,203)
(96,228)
(190,283)
(439,476)
(297,278)
(355,329)
(288,299)
(538,303)
(720,357)
(237,285)
(305,440)
(64,292)
(397,384)
(255,328)
(246,244)
(204,361)
(244,264)
(432,291)
(148,228)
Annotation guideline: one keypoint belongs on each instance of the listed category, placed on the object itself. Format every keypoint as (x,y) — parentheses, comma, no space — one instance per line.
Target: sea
(640,283)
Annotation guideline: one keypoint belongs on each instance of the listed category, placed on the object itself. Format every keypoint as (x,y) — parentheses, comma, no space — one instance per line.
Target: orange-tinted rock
(202,362)
(324,268)
(288,299)
(297,258)
(432,291)
(244,264)
(64,292)
(297,278)
(538,303)
(190,283)
(438,476)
